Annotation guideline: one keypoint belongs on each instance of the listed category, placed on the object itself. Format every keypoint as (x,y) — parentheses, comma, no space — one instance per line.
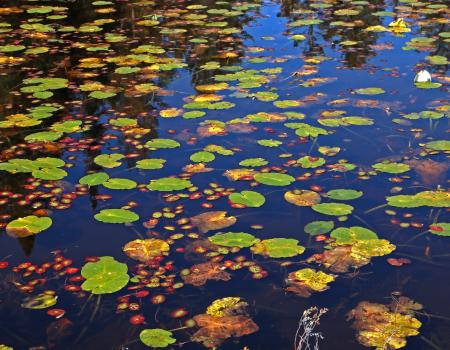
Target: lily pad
(116,216)
(350,235)
(319,227)
(248,198)
(344,194)
(169,184)
(157,337)
(440,229)
(28,226)
(274,179)
(337,209)
(94,179)
(104,276)
(391,167)
(278,248)
(234,239)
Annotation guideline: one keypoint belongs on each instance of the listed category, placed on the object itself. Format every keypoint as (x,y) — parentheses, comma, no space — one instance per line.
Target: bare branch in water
(305,337)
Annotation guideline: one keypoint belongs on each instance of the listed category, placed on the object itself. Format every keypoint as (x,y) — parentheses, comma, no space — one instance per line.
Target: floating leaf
(162,143)
(350,235)
(104,276)
(169,184)
(145,250)
(253,162)
(94,179)
(109,160)
(337,209)
(116,216)
(306,281)
(278,248)
(391,167)
(248,198)
(319,227)
(302,198)
(344,194)
(27,226)
(212,220)
(440,229)
(202,157)
(425,198)
(150,164)
(234,239)
(274,179)
(41,301)
(379,327)
(157,337)
(119,184)
(370,91)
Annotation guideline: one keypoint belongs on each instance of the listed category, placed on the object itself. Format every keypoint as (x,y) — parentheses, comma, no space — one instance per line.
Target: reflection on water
(233,79)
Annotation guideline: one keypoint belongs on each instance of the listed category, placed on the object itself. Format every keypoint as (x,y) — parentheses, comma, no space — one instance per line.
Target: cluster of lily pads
(99,119)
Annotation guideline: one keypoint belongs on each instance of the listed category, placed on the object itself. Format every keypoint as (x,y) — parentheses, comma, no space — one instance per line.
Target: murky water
(321,93)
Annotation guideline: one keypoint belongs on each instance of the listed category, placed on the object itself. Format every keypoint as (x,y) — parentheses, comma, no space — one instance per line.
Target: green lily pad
(370,91)
(51,174)
(278,248)
(169,184)
(391,167)
(248,198)
(104,276)
(109,160)
(157,337)
(318,227)
(344,194)
(202,157)
(28,226)
(162,143)
(116,216)
(440,229)
(43,136)
(438,145)
(269,143)
(350,235)
(253,162)
(119,184)
(274,179)
(94,179)
(234,239)
(310,162)
(336,209)
(150,164)
(439,199)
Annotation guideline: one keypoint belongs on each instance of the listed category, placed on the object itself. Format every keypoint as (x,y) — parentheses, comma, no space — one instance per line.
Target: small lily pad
(157,337)
(116,216)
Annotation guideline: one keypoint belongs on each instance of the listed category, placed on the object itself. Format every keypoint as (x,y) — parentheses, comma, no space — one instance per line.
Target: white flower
(422,77)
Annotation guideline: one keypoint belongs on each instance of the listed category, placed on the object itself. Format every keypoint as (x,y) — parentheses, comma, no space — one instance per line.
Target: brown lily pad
(212,220)
(201,273)
(146,249)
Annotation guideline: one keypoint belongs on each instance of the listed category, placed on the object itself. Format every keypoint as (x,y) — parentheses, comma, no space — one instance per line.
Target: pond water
(130,120)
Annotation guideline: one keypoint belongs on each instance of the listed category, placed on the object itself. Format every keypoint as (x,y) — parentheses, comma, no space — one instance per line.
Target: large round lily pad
(104,276)
(157,337)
